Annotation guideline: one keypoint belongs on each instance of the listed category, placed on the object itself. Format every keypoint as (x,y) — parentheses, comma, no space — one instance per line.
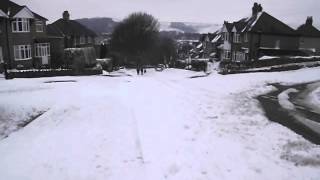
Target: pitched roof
(269,24)
(2,14)
(71,27)
(261,22)
(53,31)
(15,8)
(308,30)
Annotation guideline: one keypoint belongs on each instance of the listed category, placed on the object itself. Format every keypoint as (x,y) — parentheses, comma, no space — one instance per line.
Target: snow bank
(284,99)
(315,97)
(268,57)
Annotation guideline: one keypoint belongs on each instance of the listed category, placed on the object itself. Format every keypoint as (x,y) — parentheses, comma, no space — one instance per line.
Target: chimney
(309,21)
(260,8)
(66,15)
(256,8)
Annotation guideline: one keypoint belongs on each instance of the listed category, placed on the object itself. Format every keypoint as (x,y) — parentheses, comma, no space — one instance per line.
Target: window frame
(23,22)
(24,52)
(42,50)
(227,54)
(39,26)
(236,38)
(82,40)
(226,36)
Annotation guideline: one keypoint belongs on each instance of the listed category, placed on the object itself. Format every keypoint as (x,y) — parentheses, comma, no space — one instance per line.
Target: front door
(45,60)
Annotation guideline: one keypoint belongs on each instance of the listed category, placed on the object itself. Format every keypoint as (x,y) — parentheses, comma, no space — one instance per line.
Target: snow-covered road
(164,125)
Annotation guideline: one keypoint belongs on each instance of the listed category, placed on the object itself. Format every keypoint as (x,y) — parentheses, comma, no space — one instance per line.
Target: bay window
(42,49)
(238,56)
(20,25)
(22,52)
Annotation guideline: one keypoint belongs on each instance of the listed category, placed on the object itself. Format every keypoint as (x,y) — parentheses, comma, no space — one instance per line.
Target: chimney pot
(309,20)
(66,15)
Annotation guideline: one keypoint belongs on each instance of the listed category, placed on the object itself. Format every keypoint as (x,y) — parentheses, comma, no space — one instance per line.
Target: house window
(42,49)
(22,52)
(39,26)
(89,39)
(238,56)
(21,25)
(236,38)
(226,36)
(246,37)
(277,45)
(227,54)
(82,39)
(1,55)
(75,41)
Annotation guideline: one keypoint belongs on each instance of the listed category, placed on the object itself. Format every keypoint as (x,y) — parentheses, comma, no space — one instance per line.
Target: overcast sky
(210,11)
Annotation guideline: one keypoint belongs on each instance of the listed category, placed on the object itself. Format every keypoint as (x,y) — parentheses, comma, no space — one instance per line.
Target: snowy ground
(164,125)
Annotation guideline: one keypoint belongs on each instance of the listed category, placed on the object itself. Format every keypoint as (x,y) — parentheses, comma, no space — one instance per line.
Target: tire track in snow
(138,145)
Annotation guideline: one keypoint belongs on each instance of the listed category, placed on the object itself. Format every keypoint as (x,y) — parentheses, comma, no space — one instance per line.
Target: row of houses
(256,37)
(26,41)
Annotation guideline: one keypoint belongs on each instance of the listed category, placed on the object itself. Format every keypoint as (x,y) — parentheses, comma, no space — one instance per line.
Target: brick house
(261,34)
(309,40)
(66,33)
(23,37)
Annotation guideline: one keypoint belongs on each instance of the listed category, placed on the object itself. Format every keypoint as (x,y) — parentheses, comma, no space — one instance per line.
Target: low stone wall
(51,73)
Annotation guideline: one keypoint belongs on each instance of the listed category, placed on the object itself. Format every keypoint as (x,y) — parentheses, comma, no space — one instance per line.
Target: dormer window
(20,25)
(236,38)
(226,36)
(39,26)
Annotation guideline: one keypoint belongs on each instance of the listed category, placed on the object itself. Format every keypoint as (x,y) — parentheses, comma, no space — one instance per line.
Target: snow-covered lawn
(164,125)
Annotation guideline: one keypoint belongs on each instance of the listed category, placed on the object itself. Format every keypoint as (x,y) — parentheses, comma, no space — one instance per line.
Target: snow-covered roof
(199,46)
(256,19)
(213,54)
(309,49)
(2,14)
(216,38)
(220,47)
(268,57)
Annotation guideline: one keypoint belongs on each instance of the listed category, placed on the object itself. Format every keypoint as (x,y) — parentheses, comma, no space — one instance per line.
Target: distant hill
(189,27)
(107,25)
(99,25)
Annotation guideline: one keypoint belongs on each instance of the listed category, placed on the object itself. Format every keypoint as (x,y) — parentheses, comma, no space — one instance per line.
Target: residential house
(23,37)
(261,34)
(74,33)
(309,40)
(66,33)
